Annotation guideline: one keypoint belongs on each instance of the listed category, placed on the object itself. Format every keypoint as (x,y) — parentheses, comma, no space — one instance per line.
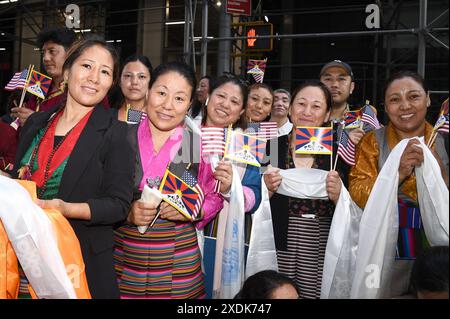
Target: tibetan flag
(369,118)
(39,84)
(263,130)
(352,119)
(192,182)
(314,140)
(180,195)
(346,149)
(245,148)
(442,122)
(213,140)
(18,81)
(257,68)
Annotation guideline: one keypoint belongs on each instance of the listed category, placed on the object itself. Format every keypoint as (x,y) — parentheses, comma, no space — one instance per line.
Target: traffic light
(258,29)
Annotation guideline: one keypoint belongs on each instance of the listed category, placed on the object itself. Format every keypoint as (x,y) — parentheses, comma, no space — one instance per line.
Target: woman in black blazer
(79,156)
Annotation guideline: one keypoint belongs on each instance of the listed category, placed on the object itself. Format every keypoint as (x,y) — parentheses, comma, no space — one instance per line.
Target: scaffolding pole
(223,58)
(204,37)
(187,31)
(320,35)
(422,49)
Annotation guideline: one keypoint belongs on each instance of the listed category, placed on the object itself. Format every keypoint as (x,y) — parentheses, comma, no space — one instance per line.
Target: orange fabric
(68,245)
(70,250)
(9,270)
(363,175)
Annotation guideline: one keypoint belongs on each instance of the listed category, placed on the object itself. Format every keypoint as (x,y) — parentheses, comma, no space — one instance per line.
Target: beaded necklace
(47,173)
(33,157)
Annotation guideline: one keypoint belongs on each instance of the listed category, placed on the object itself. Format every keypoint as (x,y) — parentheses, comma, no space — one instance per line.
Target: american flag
(442,122)
(257,69)
(263,130)
(134,117)
(369,118)
(18,81)
(346,149)
(213,140)
(192,182)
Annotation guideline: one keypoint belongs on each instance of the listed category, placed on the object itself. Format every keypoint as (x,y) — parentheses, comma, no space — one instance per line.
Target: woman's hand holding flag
(142,213)
(224,174)
(333,186)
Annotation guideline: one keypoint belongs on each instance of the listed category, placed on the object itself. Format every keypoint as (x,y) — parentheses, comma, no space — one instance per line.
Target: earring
(63,84)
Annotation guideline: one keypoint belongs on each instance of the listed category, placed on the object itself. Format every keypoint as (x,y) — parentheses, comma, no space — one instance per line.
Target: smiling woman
(226,104)
(164,261)
(406,103)
(259,103)
(226,107)
(79,158)
(301,226)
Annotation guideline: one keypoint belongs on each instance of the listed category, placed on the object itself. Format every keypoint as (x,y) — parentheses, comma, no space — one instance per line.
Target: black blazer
(99,172)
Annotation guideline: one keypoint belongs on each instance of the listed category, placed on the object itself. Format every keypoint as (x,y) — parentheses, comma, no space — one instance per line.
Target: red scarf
(46,149)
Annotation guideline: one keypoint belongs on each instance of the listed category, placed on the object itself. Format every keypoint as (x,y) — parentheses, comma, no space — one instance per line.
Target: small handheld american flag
(263,130)
(192,182)
(369,118)
(213,141)
(346,149)
(18,81)
(442,122)
(134,116)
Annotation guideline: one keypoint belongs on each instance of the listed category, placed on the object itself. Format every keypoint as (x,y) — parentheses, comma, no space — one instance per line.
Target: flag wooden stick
(339,143)
(361,124)
(432,140)
(230,128)
(336,160)
(331,157)
(24,90)
(156,217)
